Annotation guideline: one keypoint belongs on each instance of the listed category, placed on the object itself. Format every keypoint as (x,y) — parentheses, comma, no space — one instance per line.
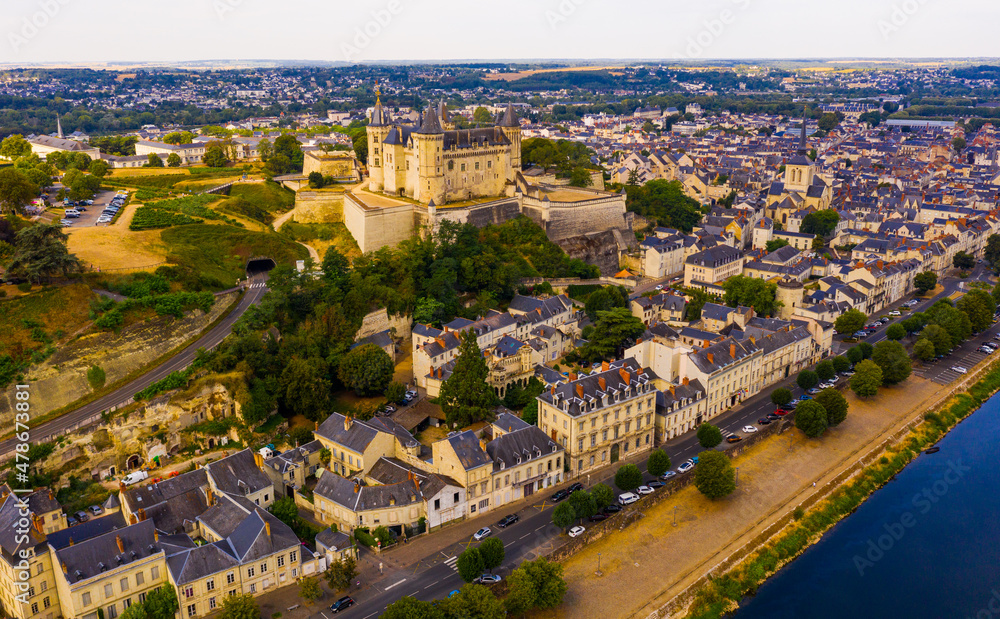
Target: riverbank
(721,591)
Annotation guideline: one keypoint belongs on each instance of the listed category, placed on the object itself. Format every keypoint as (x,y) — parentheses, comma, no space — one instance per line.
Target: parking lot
(965,355)
(93,212)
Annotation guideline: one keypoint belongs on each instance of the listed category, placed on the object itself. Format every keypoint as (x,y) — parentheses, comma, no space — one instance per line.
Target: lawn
(32,323)
(220,253)
(258,201)
(323,236)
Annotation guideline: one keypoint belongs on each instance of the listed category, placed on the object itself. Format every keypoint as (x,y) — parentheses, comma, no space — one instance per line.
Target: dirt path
(658,560)
(280,221)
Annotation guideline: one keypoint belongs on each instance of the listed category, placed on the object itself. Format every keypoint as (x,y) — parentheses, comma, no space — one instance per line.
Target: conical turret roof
(430,124)
(509,117)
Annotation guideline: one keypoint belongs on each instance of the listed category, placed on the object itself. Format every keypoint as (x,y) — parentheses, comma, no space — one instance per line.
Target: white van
(135,477)
(627,498)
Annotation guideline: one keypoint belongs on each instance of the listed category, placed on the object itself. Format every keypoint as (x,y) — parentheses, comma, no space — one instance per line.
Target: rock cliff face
(62,378)
(136,435)
(599,249)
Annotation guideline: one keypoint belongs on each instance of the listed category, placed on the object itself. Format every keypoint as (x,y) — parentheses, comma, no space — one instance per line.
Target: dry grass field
(115,246)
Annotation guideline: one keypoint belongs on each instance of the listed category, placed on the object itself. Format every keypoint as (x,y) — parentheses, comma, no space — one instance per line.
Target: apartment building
(729,370)
(713,265)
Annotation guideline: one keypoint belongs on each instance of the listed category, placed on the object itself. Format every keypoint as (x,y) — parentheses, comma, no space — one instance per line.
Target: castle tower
(512,129)
(800,169)
(789,293)
(377,130)
(428,141)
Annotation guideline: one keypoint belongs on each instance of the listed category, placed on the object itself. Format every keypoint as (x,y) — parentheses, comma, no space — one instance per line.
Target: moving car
(627,498)
(482,534)
(506,521)
(576,531)
(487,579)
(749,429)
(734,438)
(341,604)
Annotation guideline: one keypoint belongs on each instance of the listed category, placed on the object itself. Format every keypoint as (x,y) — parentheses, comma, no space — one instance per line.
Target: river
(926,545)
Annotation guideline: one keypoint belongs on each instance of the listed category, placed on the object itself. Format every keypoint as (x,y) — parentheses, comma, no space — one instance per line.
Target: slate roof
(86,530)
(470,453)
(238,474)
(91,557)
(341,491)
(356,438)
(519,446)
(614,386)
(153,494)
(335,540)
(714,256)
(509,422)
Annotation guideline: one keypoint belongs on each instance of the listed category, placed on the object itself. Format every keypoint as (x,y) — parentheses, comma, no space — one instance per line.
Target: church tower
(428,141)
(800,169)
(512,129)
(377,130)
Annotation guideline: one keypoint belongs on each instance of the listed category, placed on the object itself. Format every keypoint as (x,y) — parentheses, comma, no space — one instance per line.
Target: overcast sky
(372,30)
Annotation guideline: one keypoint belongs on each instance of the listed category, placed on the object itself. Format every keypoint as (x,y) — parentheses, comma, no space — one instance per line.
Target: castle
(434,166)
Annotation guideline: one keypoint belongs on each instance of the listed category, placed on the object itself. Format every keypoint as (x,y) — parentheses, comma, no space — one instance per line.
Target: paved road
(257,289)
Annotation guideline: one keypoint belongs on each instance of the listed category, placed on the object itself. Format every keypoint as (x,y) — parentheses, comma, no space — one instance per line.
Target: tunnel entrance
(259,264)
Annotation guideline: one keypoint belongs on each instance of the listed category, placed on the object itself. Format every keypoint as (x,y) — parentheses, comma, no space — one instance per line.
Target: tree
(841,363)
(395,392)
(340,574)
(958,144)
(239,606)
(603,495)
(914,323)
(628,477)
(40,252)
(954,321)
(173,160)
(828,121)
(306,389)
(84,187)
(854,355)
(709,436)
(753,292)
(866,350)
(825,370)
(583,504)
(895,332)
(714,476)
(535,584)
(14,146)
(580,177)
(774,245)
(850,321)
(991,253)
(288,146)
(153,161)
(366,369)
(835,405)
(530,413)
(811,418)
(178,137)
(665,203)
(939,337)
(492,552)
(658,463)
(16,191)
(979,306)
(285,510)
(563,515)
(470,564)
(161,603)
(867,379)
(818,244)
(412,608)
(807,379)
(614,330)
(963,261)
(821,223)
(604,299)
(309,590)
(316,180)
(781,396)
(923,349)
(473,601)
(891,357)
(925,282)
(215,157)
(135,611)
(99,168)
(466,397)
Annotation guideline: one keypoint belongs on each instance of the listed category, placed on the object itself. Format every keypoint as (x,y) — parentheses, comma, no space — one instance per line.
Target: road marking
(540,528)
(366,616)
(524,536)
(508,544)
(394,584)
(429,586)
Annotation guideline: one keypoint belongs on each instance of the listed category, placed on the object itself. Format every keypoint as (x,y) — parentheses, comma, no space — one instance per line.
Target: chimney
(573,376)
(132,519)
(604,366)
(63,564)
(711,358)
(51,496)
(753,340)
(209,496)
(579,391)
(672,392)
(626,377)
(37,522)
(392,500)
(258,460)
(315,426)
(732,350)
(156,535)
(142,514)
(267,528)
(71,542)
(553,390)
(121,544)
(704,344)
(638,341)
(603,383)
(482,444)
(347,422)
(357,486)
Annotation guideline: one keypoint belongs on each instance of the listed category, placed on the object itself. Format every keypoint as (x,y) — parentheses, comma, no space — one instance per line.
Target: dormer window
(503,465)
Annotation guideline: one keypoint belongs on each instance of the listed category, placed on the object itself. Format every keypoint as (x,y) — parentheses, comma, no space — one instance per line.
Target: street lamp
(676,507)
(737,475)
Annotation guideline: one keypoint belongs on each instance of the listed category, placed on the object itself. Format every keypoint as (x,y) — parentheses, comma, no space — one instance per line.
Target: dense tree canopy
(867,379)
(751,292)
(466,396)
(714,476)
(811,418)
(665,203)
(709,435)
(367,370)
(850,321)
(40,253)
(821,223)
(895,363)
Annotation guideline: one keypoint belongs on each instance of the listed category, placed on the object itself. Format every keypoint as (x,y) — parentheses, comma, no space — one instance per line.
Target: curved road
(257,288)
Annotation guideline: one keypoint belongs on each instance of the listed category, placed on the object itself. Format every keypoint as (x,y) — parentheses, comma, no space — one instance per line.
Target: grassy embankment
(723,594)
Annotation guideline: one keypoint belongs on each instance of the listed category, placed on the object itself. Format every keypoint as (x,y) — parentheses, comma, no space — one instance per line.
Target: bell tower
(377,130)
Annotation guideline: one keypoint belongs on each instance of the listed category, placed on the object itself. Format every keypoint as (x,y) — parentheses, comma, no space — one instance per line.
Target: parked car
(734,438)
(654,484)
(960,369)
(764,421)
(804,397)
(598,517)
(71,521)
(773,417)
(487,579)
(895,313)
(482,534)
(814,391)
(644,490)
(749,429)
(97,510)
(82,516)
(779,413)
(627,498)
(560,495)
(575,487)
(668,475)
(576,531)
(341,604)
(506,521)
(847,374)
(685,467)
(612,509)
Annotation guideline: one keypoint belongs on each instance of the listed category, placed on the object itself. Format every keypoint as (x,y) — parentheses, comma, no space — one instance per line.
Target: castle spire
(59,131)
(509,117)
(802,137)
(378,116)
(430,125)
